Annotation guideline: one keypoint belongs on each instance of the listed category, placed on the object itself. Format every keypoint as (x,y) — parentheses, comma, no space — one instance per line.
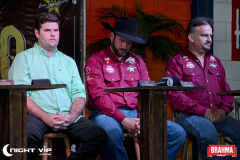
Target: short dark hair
(198,21)
(44,18)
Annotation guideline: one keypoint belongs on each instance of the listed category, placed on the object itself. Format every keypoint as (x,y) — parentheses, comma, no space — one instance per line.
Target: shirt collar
(43,51)
(190,54)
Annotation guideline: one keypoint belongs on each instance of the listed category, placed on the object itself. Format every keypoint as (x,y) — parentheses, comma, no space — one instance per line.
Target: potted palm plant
(157,26)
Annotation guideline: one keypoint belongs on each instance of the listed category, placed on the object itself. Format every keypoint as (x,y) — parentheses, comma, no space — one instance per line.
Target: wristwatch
(225,111)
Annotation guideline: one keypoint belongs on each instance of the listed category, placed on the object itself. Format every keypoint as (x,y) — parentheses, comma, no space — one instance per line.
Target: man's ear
(36,33)
(190,37)
(111,36)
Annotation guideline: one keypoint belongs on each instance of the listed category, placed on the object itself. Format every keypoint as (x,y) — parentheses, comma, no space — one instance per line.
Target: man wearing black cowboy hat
(116,66)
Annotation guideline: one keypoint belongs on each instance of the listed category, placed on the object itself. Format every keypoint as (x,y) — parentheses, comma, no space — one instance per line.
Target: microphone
(168,81)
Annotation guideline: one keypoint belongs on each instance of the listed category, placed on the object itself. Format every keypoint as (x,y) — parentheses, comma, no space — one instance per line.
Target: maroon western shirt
(187,67)
(104,71)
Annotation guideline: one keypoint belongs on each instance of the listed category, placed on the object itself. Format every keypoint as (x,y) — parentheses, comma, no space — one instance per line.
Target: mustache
(208,42)
(123,49)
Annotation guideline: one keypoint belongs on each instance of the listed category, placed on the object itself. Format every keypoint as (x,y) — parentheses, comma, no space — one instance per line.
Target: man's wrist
(225,111)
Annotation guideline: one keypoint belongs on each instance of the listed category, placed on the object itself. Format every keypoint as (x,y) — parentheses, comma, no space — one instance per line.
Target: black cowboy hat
(126,27)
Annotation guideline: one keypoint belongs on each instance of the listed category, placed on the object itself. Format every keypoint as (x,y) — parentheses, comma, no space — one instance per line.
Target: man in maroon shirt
(116,66)
(202,113)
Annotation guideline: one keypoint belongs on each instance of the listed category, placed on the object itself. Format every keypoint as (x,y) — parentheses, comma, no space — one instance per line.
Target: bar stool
(189,136)
(136,145)
(47,142)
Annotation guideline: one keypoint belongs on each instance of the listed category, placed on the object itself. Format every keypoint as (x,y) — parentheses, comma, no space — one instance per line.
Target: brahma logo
(222,150)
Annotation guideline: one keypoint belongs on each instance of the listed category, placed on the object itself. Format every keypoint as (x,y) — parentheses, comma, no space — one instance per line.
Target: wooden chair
(136,145)
(189,136)
(237,106)
(47,142)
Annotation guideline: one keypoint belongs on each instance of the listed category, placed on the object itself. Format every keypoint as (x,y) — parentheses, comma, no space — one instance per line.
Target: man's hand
(216,116)
(54,120)
(63,121)
(221,115)
(132,125)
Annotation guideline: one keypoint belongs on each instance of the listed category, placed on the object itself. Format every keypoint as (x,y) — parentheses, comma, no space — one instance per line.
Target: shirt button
(193,74)
(207,80)
(132,78)
(125,97)
(112,79)
(209,92)
(123,74)
(211,104)
(217,73)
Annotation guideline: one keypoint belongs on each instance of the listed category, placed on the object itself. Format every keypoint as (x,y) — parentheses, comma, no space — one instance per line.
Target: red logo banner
(222,150)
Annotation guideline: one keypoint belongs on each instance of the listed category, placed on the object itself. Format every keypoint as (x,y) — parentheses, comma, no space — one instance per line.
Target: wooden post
(154,125)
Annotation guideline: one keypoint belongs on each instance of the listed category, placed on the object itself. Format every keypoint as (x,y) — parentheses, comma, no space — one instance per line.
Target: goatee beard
(116,51)
(206,49)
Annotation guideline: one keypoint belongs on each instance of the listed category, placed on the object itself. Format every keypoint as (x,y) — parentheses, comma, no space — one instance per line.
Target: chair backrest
(237,105)
(174,115)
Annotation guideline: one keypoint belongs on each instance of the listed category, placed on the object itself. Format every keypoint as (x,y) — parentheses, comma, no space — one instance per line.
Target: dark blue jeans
(114,149)
(91,136)
(207,133)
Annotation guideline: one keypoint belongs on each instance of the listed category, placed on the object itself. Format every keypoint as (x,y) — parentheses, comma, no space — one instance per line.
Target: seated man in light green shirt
(56,110)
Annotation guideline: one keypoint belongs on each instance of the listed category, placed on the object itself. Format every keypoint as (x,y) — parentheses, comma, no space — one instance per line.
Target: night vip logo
(237,32)
(42,151)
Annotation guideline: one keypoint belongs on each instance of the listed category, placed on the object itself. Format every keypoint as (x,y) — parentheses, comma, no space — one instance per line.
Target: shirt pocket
(112,80)
(63,75)
(215,77)
(194,76)
(132,79)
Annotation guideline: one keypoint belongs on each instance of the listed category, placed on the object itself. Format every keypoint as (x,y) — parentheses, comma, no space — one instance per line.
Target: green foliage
(157,26)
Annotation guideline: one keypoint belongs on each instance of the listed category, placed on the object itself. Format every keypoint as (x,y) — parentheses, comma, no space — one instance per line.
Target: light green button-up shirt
(59,68)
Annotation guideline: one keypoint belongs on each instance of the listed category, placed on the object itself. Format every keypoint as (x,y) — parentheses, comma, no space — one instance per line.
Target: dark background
(21,14)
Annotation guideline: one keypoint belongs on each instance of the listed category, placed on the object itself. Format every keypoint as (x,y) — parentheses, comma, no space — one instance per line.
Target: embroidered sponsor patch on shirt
(213,65)
(167,74)
(131,69)
(88,77)
(212,58)
(131,60)
(110,69)
(88,69)
(190,65)
(107,60)
(186,58)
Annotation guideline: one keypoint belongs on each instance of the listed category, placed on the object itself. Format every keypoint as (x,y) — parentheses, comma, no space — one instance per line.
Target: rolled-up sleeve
(78,89)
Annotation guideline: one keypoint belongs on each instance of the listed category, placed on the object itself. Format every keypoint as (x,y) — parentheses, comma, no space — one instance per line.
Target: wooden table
(229,93)
(153,108)
(13,116)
